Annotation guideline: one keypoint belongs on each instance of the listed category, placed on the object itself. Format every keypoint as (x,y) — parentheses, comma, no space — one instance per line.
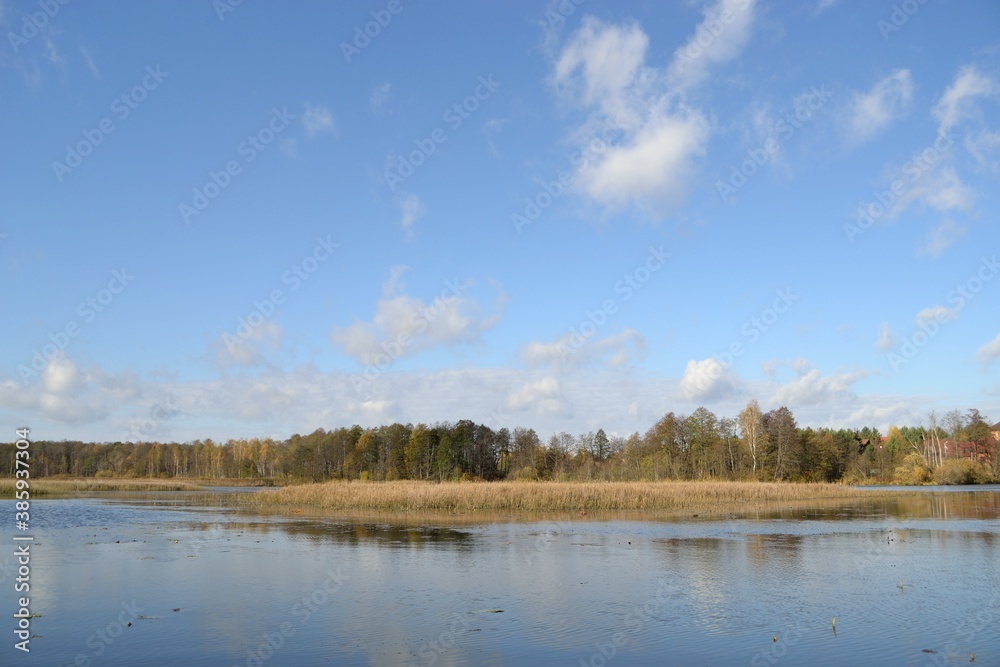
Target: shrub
(913,471)
(961,471)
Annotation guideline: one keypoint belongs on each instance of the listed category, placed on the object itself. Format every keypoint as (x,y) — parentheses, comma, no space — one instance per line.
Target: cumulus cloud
(707,380)
(872,111)
(403,325)
(542,397)
(810,387)
(652,138)
(571,350)
(317,119)
(62,393)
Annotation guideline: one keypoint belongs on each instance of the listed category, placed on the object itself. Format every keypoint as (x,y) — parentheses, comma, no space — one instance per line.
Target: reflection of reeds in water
(548,496)
(57,486)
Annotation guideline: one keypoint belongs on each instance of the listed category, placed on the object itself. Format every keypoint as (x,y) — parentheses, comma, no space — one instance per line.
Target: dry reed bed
(45,487)
(408,496)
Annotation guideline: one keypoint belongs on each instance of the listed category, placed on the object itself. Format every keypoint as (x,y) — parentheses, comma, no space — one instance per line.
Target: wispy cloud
(872,111)
(379,96)
(990,351)
(317,120)
(411,210)
(941,237)
(886,338)
(958,103)
(89,60)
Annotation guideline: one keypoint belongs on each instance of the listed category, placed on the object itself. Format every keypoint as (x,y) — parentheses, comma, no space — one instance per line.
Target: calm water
(206,585)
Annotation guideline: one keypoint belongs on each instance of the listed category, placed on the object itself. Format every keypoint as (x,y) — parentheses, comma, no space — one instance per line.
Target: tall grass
(407,496)
(45,487)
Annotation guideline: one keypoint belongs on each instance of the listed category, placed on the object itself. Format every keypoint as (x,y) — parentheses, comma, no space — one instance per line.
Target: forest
(955,448)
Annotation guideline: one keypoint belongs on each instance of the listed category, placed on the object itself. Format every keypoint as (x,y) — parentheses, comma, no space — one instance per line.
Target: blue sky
(227,220)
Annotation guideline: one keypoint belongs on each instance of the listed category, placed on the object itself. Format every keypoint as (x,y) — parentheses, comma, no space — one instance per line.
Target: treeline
(754,445)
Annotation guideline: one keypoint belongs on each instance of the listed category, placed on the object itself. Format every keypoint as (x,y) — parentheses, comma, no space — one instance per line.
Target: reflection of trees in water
(786,549)
(945,505)
(347,533)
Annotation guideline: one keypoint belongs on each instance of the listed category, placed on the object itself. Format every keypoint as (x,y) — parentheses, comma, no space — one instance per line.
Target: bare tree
(752,428)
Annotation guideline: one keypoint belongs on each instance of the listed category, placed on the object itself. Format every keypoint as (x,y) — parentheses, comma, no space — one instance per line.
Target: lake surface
(203,584)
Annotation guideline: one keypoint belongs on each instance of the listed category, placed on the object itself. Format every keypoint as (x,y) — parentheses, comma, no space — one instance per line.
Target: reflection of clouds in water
(562,585)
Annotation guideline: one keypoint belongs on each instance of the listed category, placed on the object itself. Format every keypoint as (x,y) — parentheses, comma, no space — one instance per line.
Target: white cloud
(317,119)
(886,338)
(542,397)
(707,380)
(983,146)
(938,188)
(871,112)
(936,313)
(810,387)
(939,238)
(654,167)
(720,37)
(571,350)
(379,96)
(990,351)
(958,102)
(651,138)
(403,325)
(411,210)
(60,376)
(232,349)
